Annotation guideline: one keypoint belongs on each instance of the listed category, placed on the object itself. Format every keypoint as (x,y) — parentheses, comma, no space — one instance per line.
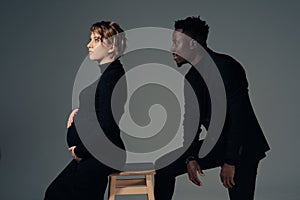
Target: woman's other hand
(73,154)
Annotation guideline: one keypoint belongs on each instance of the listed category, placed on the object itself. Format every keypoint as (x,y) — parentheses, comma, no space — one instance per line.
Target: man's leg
(245,177)
(165,178)
(164,185)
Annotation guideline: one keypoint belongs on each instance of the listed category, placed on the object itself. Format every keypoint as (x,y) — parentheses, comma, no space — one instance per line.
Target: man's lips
(175,56)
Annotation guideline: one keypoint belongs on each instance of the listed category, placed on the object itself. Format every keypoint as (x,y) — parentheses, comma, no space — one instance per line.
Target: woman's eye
(97,40)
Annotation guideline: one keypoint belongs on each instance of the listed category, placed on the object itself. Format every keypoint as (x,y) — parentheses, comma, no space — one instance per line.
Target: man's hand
(73,154)
(193,169)
(71,117)
(227,175)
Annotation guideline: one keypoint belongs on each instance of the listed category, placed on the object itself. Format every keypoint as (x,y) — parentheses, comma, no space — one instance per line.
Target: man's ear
(193,44)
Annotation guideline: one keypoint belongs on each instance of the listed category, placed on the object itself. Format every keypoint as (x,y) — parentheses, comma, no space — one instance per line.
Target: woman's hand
(71,117)
(73,154)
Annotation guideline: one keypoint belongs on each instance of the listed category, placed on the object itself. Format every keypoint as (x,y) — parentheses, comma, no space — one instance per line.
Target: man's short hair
(195,28)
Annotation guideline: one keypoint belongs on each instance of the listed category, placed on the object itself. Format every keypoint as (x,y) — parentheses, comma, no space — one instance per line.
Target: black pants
(245,177)
(80,181)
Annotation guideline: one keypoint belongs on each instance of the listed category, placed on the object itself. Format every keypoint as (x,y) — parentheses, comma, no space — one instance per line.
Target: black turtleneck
(98,98)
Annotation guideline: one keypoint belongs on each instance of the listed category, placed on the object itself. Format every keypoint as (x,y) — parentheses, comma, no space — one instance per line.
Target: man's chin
(179,64)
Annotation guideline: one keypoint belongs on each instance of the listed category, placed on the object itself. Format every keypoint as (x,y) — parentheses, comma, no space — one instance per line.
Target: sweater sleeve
(81,151)
(105,105)
(73,139)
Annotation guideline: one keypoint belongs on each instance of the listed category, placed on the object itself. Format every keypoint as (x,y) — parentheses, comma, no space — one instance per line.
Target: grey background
(43,45)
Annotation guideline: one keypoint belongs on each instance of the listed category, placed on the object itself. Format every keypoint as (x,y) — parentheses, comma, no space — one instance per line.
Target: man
(241,144)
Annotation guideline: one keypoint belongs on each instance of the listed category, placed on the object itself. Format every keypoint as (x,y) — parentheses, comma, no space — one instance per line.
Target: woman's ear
(112,46)
(111,49)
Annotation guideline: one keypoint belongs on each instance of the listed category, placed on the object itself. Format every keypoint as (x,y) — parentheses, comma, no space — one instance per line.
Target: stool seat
(130,185)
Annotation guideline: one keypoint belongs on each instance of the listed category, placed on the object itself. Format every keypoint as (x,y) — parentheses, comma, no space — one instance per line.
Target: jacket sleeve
(239,111)
(197,112)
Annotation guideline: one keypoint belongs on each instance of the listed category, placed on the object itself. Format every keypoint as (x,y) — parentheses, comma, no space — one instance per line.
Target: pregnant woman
(85,177)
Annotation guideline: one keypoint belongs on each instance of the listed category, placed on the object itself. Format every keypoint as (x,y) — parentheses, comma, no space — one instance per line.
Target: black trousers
(245,177)
(80,181)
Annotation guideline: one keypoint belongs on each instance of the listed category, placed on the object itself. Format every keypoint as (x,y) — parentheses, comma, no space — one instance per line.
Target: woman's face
(98,50)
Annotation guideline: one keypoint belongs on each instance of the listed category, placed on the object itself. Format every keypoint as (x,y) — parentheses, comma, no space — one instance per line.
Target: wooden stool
(131,185)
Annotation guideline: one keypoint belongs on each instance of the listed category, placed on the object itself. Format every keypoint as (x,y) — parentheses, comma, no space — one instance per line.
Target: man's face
(180,48)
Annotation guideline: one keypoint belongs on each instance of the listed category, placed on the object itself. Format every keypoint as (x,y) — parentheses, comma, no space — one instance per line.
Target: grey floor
(213,190)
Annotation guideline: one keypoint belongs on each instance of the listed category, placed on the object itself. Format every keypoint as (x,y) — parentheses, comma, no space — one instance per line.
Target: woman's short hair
(113,33)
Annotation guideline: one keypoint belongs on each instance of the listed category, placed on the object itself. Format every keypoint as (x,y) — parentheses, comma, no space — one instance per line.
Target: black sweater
(102,90)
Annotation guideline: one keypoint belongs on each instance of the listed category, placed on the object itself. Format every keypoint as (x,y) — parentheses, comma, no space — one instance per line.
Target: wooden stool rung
(131,185)
(132,190)
(130,182)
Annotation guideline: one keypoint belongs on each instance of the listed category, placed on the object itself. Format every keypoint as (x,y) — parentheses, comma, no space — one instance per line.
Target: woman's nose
(89,44)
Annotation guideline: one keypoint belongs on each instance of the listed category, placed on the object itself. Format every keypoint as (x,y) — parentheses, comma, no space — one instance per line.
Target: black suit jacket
(242,137)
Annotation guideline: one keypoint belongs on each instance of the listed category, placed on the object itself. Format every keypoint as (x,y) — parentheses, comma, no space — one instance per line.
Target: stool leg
(112,187)
(149,183)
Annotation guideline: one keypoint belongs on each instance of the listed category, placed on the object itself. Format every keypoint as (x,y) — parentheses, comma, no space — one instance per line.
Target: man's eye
(97,39)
